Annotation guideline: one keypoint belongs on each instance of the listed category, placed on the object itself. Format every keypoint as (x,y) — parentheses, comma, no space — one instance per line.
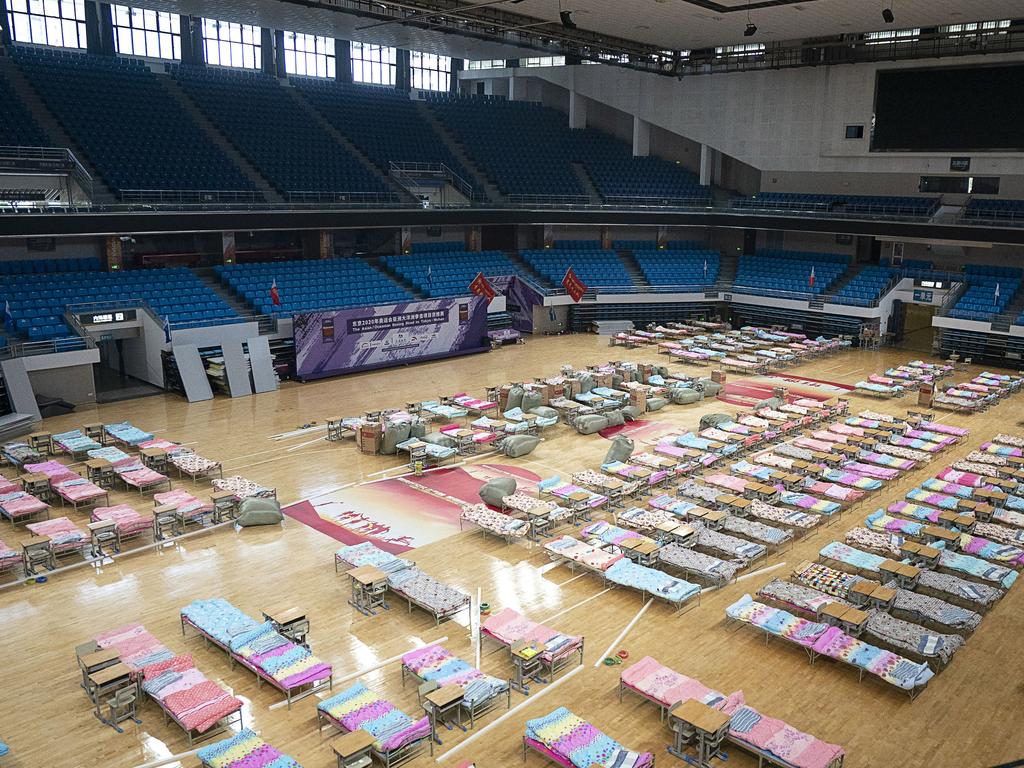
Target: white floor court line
(622,634)
(573,607)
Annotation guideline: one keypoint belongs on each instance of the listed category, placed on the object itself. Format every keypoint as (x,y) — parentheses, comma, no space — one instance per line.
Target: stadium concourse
(267,568)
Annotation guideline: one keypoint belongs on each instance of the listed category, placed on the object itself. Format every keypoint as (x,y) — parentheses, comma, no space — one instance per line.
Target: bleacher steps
(633,268)
(218,138)
(51,127)
(479,180)
(728,264)
(303,104)
(377,263)
(588,185)
(526,269)
(851,272)
(210,279)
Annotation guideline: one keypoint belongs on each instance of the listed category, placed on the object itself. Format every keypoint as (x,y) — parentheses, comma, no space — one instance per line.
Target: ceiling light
(567,21)
(887,16)
(750,30)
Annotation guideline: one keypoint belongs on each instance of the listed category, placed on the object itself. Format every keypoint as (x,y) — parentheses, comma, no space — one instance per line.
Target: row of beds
(66,537)
(925,569)
(978,394)
(708,531)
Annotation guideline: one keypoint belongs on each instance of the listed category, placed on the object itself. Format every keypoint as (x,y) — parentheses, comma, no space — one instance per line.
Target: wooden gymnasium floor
(965,718)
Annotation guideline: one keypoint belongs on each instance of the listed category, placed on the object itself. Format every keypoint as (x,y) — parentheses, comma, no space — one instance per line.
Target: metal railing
(549,201)
(72,311)
(342,198)
(45,347)
(654,201)
(406,172)
(46,159)
(198,196)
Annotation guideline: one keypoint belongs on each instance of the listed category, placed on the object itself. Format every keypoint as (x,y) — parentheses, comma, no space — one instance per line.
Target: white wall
(788,123)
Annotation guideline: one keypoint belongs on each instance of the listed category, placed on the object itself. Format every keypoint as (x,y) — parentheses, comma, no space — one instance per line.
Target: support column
(473,239)
(279,68)
(343,57)
(326,243)
(641,137)
(577,110)
(512,87)
(269,51)
(706,164)
(228,250)
(99,29)
(402,74)
(5,32)
(114,253)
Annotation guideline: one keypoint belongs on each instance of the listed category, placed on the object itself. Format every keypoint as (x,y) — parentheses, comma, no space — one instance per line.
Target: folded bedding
(871,470)
(472,403)
(135,645)
(995,551)
(690,440)
(184,502)
(1000,533)
(842,553)
(367,553)
(904,453)
(415,585)
(812,503)
(566,490)
(740,550)
(735,484)
(880,389)
(978,568)
(127,521)
(831,490)
(242,488)
(581,552)
(64,535)
(286,663)
(831,581)
(752,529)
(774,460)
(752,470)
(693,562)
(780,739)
(912,638)
(54,470)
(657,583)
(433,451)
(509,627)
(218,619)
(830,437)
(641,519)
(244,750)
(18,504)
(692,490)
(945,429)
(934,610)
(196,702)
(666,686)
(496,522)
(612,534)
(813,445)
(799,596)
(9,558)
(126,433)
(109,453)
(8,486)
(134,473)
(571,740)
(1001,450)
(917,444)
(74,441)
(194,464)
(628,471)
(435,663)
(940,500)
(444,411)
(776,621)
(887,544)
(885,460)
(929,437)
(948,488)
(788,517)
(882,523)
(21,453)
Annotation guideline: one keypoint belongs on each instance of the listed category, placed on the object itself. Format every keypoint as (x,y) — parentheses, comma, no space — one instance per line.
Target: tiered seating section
(449,272)
(131,130)
(382,122)
(679,268)
(38,298)
(869,204)
(866,287)
(528,149)
(311,284)
(789,271)
(988,209)
(18,128)
(980,302)
(274,133)
(593,266)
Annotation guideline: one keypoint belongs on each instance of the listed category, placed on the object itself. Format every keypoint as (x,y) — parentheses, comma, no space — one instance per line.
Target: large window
(430,72)
(486,64)
(229,44)
(743,49)
(973,28)
(374,64)
(543,61)
(310,55)
(140,32)
(48,22)
(892,36)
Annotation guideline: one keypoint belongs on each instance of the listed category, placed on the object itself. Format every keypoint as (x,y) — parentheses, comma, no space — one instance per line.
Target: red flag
(573,285)
(275,297)
(810,279)
(481,287)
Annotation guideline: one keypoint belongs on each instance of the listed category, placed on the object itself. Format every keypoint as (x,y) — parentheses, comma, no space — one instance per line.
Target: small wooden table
(37,484)
(935,533)
(108,680)
(41,441)
(700,725)
(527,660)
(36,551)
(100,533)
(95,432)
(289,622)
(225,505)
(95,661)
(641,550)
(369,584)
(155,459)
(352,750)
(438,703)
(100,472)
(991,496)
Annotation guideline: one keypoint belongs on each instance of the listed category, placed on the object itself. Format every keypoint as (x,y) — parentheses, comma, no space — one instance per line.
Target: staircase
(586,183)
(1010,313)
(526,269)
(728,265)
(479,179)
(101,193)
(300,101)
(223,143)
(636,275)
(377,263)
(851,272)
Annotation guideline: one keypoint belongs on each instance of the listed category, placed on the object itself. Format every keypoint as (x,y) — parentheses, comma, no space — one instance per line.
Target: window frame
(430,72)
(52,23)
(161,29)
(310,55)
(374,64)
(241,44)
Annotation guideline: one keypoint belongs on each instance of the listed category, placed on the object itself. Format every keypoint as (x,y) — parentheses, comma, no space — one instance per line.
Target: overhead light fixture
(887,16)
(567,21)
(750,30)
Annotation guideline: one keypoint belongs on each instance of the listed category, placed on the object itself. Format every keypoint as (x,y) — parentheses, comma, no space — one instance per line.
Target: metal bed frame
(389,759)
(474,710)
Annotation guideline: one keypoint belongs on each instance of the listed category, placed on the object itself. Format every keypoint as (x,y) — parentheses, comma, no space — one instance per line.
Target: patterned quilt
(360,708)
(575,741)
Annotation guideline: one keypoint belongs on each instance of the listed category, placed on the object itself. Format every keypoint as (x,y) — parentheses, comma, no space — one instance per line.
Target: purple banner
(520,299)
(349,340)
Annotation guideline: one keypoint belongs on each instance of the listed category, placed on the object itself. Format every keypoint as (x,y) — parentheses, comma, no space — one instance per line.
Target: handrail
(10,155)
(956,290)
(191,195)
(45,347)
(102,306)
(403,173)
(548,200)
(313,196)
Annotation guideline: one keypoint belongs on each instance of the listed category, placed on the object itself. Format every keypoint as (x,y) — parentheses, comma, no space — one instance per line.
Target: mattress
(436,663)
(427,591)
(697,563)
(244,750)
(575,742)
(508,627)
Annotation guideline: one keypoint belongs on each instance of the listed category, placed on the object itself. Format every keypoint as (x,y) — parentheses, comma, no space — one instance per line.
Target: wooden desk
(100,472)
(101,532)
(990,495)
(95,661)
(700,725)
(225,505)
(37,550)
(438,703)
(95,431)
(351,748)
(108,680)
(154,458)
(41,441)
(37,484)
(369,584)
(527,660)
(666,527)
(935,533)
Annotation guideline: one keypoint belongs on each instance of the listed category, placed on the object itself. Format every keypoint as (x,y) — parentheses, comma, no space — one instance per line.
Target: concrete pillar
(641,137)
(114,253)
(228,250)
(473,239)
(512,87)
(326,243)
(577,110)
(706,164)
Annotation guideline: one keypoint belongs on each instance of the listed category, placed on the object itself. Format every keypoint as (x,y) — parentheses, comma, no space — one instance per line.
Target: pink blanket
(126,519)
